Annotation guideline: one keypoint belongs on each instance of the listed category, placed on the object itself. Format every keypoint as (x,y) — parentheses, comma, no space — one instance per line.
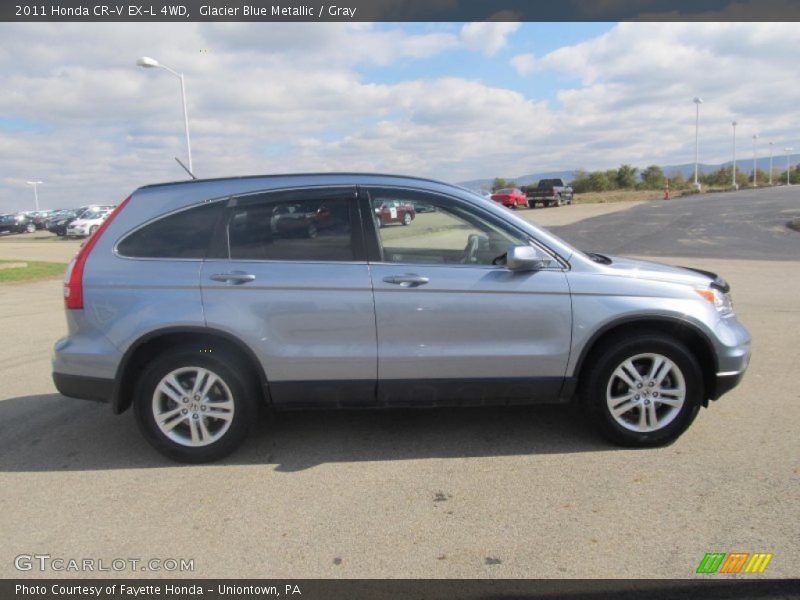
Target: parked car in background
(88,221)
(57,223)
(549,192)
(16,223)
(483,309)
(38,217)
(394,211)
(301,218)
(510,197)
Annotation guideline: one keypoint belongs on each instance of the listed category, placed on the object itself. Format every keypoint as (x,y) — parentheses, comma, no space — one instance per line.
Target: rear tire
(30,228)
(195,422)
(626,400)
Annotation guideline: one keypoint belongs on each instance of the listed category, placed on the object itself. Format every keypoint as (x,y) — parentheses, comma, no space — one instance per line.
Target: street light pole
(788,164)
(697,101)
(733,182)
(149,63)
(770,163)
(755,172)
(35,185)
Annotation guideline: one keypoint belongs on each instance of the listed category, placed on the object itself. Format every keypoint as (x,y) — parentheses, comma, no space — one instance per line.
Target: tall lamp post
(733,182)
(770,163)
(35,185)
(788,163)
(697,101)
(150,63)
(755,172)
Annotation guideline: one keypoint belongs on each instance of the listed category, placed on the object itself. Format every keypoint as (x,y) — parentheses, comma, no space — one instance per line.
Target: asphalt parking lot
(523,492)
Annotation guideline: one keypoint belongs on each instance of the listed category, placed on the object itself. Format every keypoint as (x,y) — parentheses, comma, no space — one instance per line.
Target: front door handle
(408,280)
(234,277)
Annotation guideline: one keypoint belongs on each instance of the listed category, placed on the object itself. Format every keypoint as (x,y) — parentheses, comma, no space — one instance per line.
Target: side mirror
(527,258)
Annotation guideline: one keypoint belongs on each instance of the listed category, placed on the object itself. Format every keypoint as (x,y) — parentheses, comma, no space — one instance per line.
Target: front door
(454,325)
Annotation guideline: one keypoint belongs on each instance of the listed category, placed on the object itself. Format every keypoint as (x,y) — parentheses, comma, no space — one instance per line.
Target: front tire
(407,219)
(643,391)
(194,405)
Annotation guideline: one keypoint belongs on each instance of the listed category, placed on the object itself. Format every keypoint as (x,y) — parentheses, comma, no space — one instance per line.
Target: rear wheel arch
(694,339)
(138,356)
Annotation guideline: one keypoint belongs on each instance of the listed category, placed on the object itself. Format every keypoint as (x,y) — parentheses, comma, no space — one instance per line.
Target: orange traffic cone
(666,190)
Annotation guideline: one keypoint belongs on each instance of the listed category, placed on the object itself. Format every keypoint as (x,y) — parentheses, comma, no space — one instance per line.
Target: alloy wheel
(645,392)
(193,406)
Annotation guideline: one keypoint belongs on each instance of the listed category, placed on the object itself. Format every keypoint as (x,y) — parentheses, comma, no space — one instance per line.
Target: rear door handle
(234,277)
(407,280)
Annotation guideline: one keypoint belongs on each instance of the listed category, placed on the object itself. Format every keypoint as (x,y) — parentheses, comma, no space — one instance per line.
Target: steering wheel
(471,250)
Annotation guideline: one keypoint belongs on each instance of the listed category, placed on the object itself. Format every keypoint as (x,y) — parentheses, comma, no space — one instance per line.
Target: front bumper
(725,382)
(733,356)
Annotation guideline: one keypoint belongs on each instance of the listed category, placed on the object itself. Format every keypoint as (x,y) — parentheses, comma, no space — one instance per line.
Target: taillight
(73,278)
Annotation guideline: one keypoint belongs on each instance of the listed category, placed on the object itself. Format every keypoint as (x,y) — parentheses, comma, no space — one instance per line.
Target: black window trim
(375,248)
(220,247)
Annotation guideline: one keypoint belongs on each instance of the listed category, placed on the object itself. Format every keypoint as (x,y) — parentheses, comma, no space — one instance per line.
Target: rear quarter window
(185,234)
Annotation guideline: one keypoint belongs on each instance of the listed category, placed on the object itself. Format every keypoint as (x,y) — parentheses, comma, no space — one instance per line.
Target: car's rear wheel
(643,391)
(311,232)
(195,406)
(30,228)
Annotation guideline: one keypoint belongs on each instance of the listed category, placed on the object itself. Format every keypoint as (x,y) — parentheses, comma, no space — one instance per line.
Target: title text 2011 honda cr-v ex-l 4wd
(198,302)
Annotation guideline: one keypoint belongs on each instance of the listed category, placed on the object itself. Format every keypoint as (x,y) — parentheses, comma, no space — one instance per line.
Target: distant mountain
(687,170)
(477,184)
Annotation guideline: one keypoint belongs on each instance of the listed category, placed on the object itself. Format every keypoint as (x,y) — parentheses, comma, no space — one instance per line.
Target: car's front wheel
(644,391)
(407,219)
(193,405)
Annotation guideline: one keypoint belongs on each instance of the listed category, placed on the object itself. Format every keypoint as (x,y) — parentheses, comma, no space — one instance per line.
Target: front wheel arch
(681,330)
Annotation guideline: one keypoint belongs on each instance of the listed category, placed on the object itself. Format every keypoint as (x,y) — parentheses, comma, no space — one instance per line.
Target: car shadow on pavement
(52,433)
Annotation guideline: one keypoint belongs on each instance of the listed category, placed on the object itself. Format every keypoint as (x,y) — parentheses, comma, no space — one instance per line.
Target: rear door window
(313,225)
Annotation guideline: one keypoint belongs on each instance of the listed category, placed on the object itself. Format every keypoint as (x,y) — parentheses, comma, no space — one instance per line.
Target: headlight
(721,300)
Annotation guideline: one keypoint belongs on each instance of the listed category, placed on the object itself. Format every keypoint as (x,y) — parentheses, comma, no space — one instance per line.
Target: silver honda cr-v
(199,302)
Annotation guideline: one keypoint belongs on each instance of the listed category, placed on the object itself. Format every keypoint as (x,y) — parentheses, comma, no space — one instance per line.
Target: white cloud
(524,64)
(77,114)
(487,37)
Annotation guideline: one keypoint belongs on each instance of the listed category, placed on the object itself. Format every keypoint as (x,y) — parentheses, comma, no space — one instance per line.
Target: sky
(451,101)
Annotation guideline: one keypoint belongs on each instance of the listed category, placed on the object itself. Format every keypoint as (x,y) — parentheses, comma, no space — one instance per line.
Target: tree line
(627,177)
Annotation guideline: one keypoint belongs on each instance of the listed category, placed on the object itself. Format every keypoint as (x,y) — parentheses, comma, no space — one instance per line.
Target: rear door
(290,278)
(454,325)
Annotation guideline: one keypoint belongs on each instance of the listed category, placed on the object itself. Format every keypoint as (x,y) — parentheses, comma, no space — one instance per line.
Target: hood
(645,269)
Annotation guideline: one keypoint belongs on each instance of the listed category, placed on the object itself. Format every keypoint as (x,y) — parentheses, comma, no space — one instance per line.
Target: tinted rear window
(308,227)
(186,234)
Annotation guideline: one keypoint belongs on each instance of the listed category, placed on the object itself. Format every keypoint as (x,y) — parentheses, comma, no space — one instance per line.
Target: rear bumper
(84,388)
